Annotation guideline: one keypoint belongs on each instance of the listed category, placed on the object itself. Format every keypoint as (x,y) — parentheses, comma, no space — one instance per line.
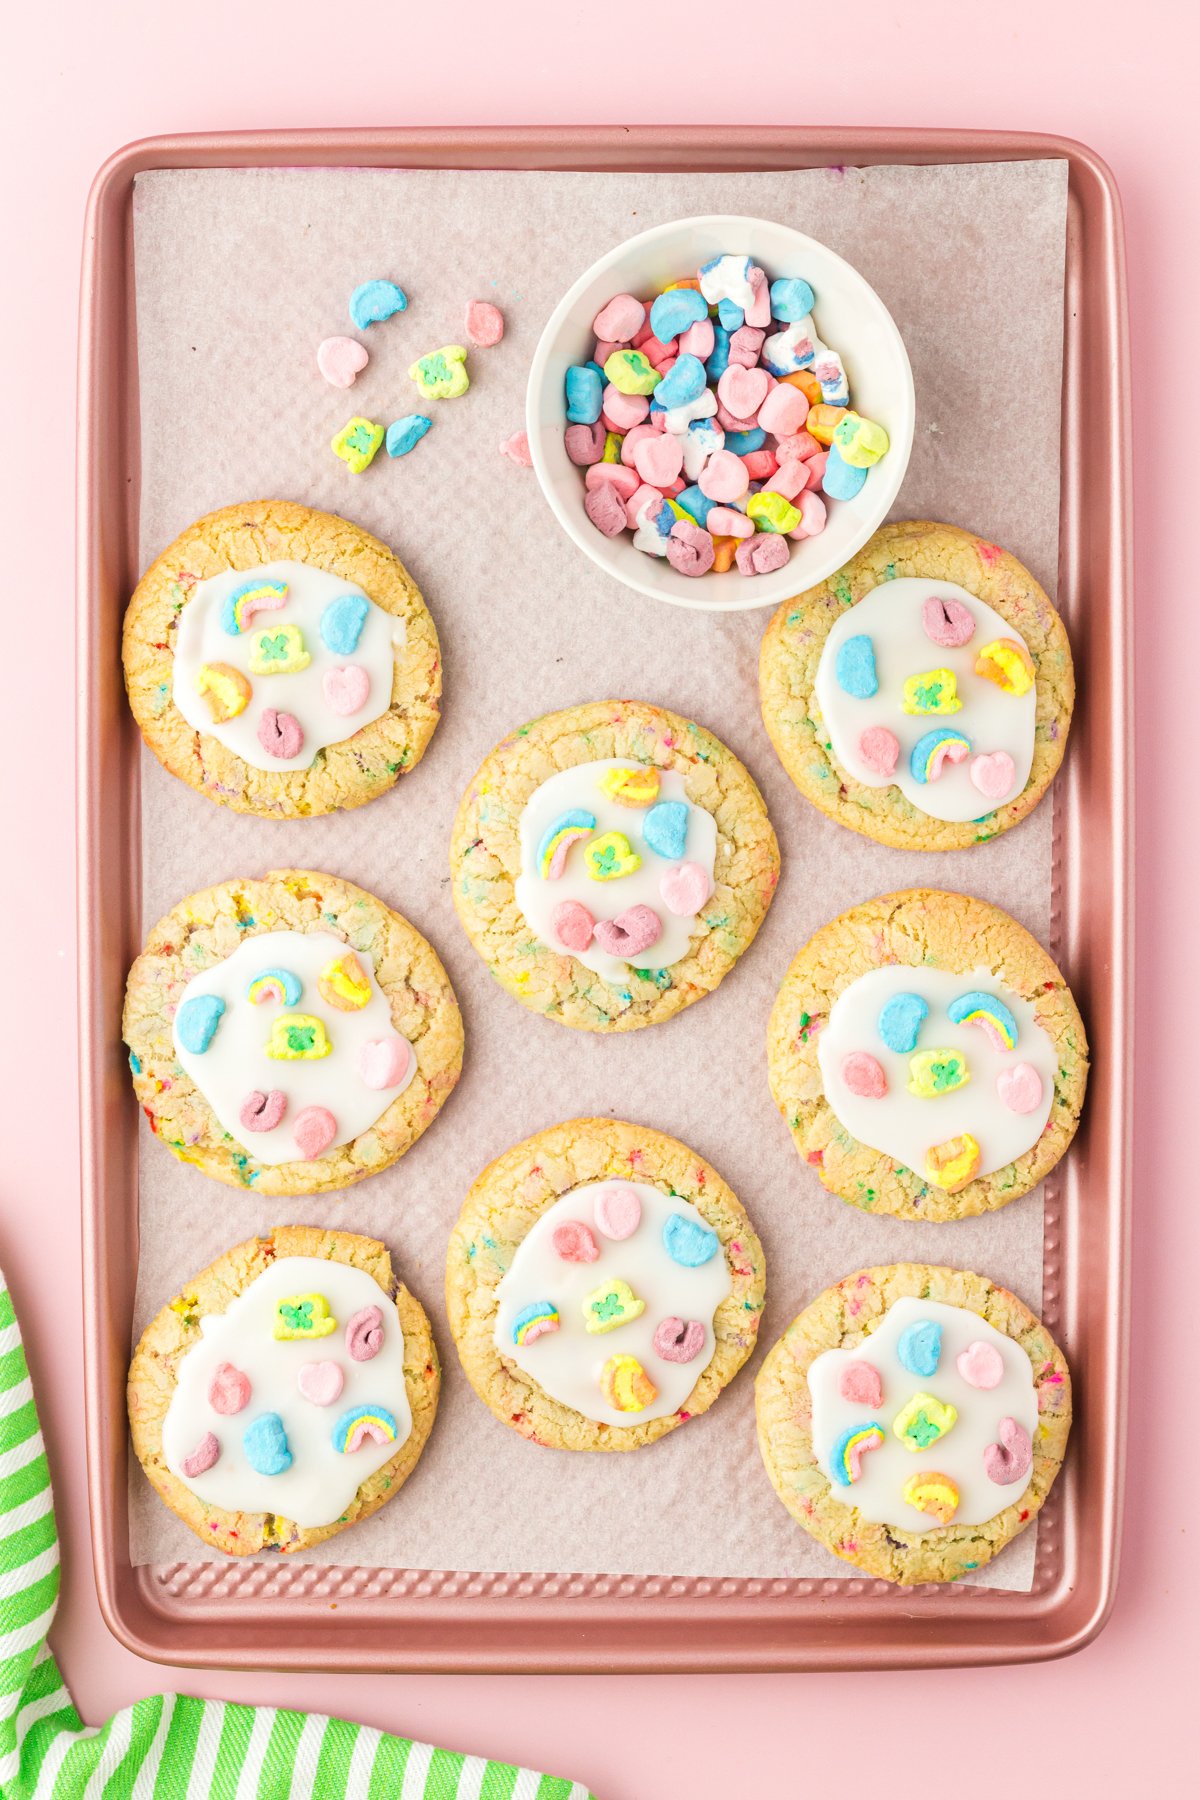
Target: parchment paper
(239,276)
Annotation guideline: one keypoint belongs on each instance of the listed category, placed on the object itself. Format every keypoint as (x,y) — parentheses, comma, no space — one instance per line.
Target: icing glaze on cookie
(262,1047)
(637,853)
(586,1356)
(890,630)
(310,683)
(960,1454)
(906,1125)
(284,1420)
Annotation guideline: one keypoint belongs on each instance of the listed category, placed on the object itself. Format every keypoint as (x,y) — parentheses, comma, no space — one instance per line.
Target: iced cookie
(290,1035)
(927,1056)
(923,694)
(282,661)
(603,1285)
(610,864)
(912,1420)
(286,1393)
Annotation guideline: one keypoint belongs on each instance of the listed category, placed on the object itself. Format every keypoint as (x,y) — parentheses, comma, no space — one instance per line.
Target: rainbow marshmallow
(361,1425)
(557,839)
(848,1452)
(985,1010)
(535,1321)
(275,984)
(931,752)
(250,598)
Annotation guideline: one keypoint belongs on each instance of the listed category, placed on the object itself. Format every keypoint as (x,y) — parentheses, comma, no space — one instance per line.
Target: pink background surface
(83,80)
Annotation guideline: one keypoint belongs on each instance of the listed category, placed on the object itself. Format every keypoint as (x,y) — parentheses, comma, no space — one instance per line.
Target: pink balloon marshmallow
(723,477)
(574,1242)
(631,932)
(229,1390)
(485,323)
(314,1129)
(341,359)
(784,410)
(685,889)
(864,1076)
(861,1384)
(383,1063)
(572,924)
(621,319)
(618,1213)
(346,689)
(879,749)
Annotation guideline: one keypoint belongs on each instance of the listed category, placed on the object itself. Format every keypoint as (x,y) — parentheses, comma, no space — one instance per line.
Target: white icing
(202,639)
(322,1481)
(879,1493)
(236,1062)
(579,788)
(905,1126)
(890,615)
(567,1363)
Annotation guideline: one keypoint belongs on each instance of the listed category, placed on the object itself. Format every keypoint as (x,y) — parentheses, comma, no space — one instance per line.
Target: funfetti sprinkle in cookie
(923,694)
(290,1035)
(927,1056)
(610,863)
(578,1320)
(282,661)
(252,1413)
(913,1419)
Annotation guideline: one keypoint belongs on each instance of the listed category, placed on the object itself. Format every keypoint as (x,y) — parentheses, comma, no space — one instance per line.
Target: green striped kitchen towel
(172,1747)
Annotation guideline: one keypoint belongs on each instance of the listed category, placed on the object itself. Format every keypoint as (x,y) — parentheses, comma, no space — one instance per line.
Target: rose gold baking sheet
(367,1617)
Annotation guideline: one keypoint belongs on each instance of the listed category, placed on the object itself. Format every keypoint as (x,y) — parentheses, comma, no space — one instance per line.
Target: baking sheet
(970,260)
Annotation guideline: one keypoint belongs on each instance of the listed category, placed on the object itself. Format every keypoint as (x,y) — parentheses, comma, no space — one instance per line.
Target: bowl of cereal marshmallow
(720,412)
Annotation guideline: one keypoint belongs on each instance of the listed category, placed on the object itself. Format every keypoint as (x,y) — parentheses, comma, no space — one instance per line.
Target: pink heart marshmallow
(314,1129)
(743,390)
(320,1382)
(784,411)
(658,459)
(980,1365)
(618,1213)
(1020,1088)
(723,477)
(383,1063)
(346,689)
(993,775)
(685,889)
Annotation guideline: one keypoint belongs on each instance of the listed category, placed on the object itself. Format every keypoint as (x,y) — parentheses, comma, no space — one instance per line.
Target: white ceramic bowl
(850,317)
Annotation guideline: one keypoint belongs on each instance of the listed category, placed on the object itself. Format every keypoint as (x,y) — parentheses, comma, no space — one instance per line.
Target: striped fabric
(172,1747)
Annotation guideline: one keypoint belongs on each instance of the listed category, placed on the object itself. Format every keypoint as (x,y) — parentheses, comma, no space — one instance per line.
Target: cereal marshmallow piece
(1008,664)
(535,1321)
(923,1421)
(952,1165)
(357,442)
(610,857)
(225,688)
(298,1037)
(344,983)
(278,651)
(442,375)
(373,301)
(932,1493)
(847,1454)
(631,787)
(932,1073)
(932,691)
(626,1385)
(303,1316)
(610,1305)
